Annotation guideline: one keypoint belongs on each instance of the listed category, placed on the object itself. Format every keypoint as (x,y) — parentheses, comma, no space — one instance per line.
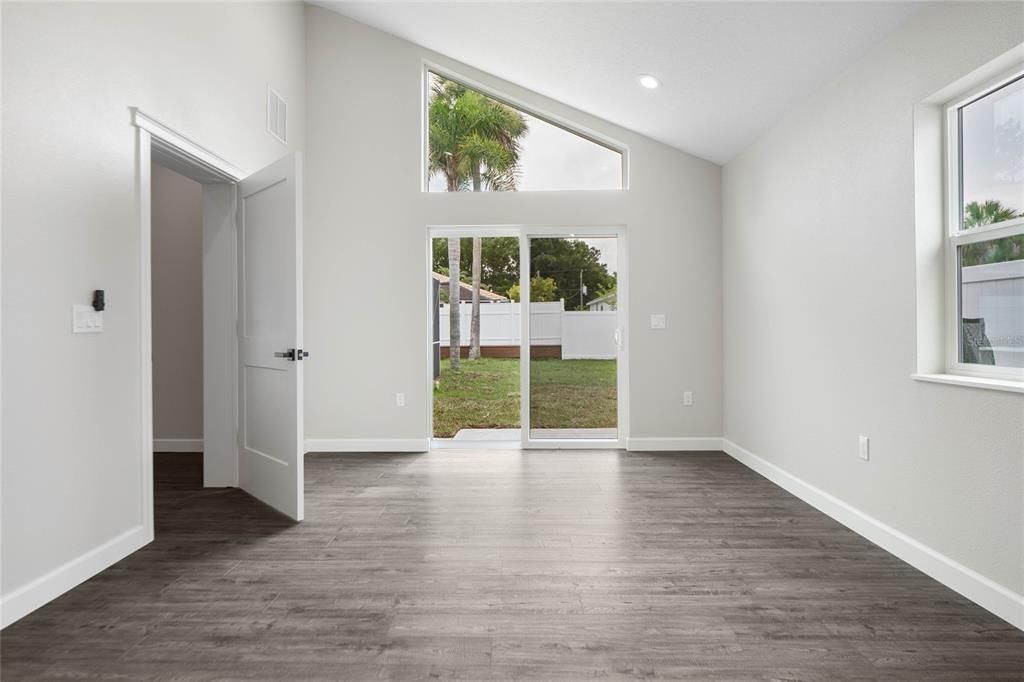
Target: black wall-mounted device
(98,300)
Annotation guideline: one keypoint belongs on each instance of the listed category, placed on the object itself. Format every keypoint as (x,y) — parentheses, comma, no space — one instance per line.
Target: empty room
(512,340)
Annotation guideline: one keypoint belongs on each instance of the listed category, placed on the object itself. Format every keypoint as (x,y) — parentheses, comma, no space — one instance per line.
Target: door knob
(293,354)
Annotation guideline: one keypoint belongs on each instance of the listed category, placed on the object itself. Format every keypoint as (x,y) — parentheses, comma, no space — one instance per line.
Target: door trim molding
(192,153)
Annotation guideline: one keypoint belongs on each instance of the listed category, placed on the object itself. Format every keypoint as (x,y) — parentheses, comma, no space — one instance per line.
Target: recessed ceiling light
(649,81)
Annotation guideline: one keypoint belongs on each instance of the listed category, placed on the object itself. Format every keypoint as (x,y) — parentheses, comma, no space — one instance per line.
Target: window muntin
(529,153)
(986,243)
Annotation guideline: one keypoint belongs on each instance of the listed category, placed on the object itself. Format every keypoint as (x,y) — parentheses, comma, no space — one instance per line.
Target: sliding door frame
(524,233)
(618,232)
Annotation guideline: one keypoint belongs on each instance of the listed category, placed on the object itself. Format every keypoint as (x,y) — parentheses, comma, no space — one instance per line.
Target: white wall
(364,93)
(71,415)
(177,281)
(820,323)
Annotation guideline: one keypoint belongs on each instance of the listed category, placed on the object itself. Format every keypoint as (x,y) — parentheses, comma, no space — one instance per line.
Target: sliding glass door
(526,337)
(573,383)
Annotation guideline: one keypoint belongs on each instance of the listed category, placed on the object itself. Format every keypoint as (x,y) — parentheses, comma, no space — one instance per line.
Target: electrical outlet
(864,448)
(658,321)
(688,398)
(400,400)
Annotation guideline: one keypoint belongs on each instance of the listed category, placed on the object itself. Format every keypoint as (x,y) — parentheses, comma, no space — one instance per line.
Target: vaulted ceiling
(728,69)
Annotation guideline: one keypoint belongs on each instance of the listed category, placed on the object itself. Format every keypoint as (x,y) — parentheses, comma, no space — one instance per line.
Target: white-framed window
(478,140)
(985,238)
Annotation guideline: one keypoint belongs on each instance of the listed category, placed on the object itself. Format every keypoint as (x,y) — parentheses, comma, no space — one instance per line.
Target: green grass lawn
(484,394)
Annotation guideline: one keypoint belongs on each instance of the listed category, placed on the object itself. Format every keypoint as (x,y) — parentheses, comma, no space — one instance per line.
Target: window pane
(992,156)
(992,302)
(479,144)
(476,397)
(574,324)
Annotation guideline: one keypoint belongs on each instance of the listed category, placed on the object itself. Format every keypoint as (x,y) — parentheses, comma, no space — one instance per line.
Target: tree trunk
(474,319)
(454,303)
(474,323)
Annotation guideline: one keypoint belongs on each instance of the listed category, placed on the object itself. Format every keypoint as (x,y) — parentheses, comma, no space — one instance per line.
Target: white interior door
(270,452)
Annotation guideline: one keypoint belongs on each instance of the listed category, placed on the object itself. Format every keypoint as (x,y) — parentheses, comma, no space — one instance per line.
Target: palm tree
(996,250)
(474,141)
(986,213)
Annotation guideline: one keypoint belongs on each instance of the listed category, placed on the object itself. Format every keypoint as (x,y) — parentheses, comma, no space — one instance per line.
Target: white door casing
(270,422)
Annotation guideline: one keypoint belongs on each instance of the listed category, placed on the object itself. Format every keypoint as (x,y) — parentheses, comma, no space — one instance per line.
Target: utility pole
(583,290)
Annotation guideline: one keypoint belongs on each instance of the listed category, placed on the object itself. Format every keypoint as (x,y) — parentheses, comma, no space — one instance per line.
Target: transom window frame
(956,236)
(429,67)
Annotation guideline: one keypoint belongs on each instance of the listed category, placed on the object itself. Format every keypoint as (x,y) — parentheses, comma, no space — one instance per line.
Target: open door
(270,444)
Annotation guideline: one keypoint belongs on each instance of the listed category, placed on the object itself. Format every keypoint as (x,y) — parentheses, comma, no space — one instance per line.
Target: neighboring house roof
(608,298)
(466,291)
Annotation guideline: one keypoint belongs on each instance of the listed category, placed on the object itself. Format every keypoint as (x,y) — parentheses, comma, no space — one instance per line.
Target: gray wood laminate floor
(499,564)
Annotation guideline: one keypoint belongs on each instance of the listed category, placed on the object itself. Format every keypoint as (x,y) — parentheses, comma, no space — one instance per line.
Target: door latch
(293,354)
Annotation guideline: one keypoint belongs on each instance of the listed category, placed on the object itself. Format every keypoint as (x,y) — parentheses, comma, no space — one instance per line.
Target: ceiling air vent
(277,115)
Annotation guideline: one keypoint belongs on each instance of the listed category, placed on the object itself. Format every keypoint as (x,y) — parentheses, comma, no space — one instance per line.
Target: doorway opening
(538,318)
(188,252)
(249,330)
(176,239)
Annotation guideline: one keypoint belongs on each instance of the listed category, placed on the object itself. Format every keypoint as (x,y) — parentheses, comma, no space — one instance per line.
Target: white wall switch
(85,320)
(399,400)
(864,448)
(688,398)
(658,321)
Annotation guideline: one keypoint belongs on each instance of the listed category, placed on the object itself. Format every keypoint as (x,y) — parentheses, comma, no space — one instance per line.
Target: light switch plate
(85,320)
(658,321)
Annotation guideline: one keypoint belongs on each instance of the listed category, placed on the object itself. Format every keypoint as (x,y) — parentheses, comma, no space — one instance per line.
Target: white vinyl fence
(581,335)
(995,293)
(589,334)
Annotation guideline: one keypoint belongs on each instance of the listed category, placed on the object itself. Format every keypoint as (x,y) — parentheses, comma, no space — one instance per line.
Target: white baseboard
(673,444)
(988,594)
(367,445)
(177,445)
(29,597)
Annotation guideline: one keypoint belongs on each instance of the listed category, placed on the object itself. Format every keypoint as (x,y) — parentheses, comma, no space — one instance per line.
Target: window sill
(972,382)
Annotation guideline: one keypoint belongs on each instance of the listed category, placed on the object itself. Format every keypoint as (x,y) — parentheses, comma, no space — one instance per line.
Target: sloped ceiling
(728,69)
